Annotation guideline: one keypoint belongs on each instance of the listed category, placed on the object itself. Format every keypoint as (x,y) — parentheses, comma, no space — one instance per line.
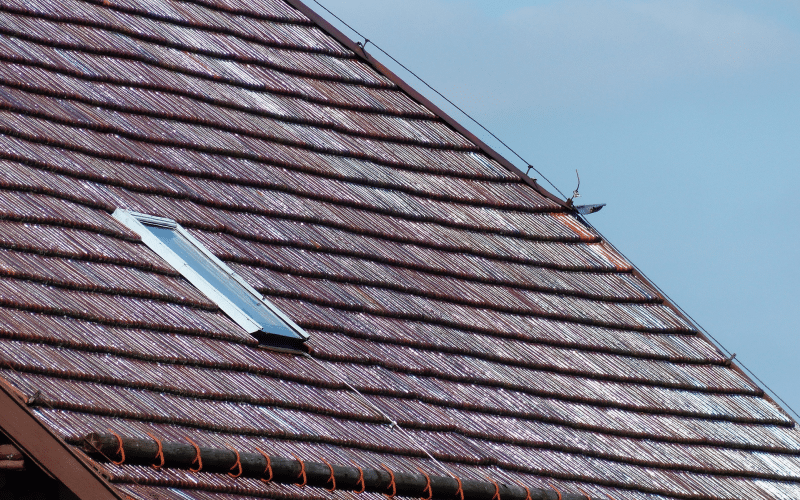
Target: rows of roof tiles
(65,34)
(90,126)
(359,164)
(126,376)
(59,281)
(220,382)
(391,102)
(528,358)
(268,11)
(115,309)
(646,396)
(31,131)
(79,244)
(159,23)
(335,217)
(228,93)
(473,256)
(440,376)
(284,431)
(278,127)
(235,117)
(746,410)
(494,308)
(539,356)
(487,343)
(369,230)
(618,287)
(238,101)
(100,277)
(663,402)
(21,237)
(635,316)
(345,182)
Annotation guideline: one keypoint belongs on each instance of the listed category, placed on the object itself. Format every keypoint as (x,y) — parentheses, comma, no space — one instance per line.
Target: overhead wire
(366,40)
(530,166)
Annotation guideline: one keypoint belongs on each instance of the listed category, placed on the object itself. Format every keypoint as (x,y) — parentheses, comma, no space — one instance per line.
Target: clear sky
(683,116)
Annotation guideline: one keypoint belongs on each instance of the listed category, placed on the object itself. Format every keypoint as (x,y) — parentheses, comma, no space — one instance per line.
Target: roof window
(240,301)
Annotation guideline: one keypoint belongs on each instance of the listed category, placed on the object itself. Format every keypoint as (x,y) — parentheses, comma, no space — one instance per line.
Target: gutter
(186,455)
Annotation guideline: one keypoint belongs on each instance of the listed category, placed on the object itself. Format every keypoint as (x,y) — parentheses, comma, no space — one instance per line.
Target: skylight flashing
(234,296)
(152,220)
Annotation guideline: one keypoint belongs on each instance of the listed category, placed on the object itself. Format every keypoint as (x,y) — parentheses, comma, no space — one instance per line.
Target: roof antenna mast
(582,209)
(575,194)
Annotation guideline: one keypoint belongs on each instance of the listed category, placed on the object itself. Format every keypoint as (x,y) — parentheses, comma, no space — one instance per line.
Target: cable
(442,96)
(689,316)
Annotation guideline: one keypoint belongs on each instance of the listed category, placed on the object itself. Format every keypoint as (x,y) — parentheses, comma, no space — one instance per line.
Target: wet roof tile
(484,317)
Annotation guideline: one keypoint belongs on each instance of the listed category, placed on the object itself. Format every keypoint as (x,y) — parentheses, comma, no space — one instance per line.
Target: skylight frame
(139,222)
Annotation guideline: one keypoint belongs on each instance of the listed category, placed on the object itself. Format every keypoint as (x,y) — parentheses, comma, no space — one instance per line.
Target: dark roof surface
(495,327)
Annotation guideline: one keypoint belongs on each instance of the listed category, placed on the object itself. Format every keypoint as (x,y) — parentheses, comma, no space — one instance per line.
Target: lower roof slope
(501,332)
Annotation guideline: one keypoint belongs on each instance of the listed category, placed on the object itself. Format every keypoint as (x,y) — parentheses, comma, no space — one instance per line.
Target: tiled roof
(492,324)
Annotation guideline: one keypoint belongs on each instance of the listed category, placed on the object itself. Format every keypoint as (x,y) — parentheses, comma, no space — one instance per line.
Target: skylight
(240,301)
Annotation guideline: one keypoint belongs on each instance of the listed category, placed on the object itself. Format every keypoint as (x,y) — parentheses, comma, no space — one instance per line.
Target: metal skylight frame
(263,328)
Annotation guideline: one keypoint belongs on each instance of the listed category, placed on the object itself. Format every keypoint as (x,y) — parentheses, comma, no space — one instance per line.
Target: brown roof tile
(501,332)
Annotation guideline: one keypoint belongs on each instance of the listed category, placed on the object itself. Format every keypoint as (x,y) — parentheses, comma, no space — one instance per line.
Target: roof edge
(668,302)
(49,452)
(358,50)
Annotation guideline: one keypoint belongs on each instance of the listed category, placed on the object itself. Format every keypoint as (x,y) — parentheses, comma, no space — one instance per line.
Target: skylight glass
(240,301)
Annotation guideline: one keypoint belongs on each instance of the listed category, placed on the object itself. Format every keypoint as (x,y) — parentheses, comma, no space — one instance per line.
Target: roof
(441,288)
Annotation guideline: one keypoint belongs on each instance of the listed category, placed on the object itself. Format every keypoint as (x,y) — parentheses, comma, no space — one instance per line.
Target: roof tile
(495,326)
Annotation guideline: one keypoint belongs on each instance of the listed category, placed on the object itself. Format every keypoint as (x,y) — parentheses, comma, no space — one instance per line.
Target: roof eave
(49,452)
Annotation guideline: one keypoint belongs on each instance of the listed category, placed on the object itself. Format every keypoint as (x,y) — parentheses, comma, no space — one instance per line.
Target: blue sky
(683,116)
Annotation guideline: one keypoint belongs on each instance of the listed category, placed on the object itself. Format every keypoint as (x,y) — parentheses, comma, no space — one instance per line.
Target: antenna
(582,209)
(576,194)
